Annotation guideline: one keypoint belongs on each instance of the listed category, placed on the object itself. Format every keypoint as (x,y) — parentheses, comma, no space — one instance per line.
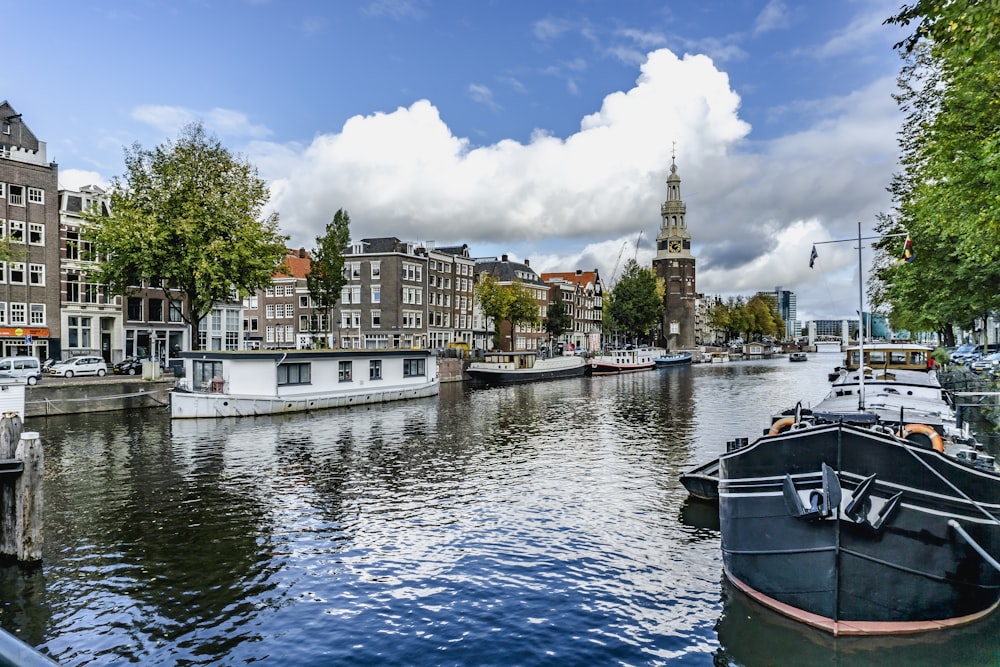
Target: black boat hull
(804,532)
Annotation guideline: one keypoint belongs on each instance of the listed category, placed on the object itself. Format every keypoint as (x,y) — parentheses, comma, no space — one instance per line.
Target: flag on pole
(908,249)
(812,257)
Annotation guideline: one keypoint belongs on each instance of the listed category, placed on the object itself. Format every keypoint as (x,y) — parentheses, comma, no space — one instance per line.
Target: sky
(540,130)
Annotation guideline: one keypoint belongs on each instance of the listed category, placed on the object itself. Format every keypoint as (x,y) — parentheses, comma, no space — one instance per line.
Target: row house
(282,315)
(383,304)
(582,293)
(450,296)
(29,228)
(506,272)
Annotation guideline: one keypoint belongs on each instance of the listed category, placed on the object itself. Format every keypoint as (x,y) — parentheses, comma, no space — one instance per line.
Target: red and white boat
(625,361)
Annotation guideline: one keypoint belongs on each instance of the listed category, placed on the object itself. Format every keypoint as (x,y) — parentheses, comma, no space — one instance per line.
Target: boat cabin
(510,361)
(890,356)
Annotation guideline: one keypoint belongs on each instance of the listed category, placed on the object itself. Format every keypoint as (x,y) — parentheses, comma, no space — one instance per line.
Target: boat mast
(861,328)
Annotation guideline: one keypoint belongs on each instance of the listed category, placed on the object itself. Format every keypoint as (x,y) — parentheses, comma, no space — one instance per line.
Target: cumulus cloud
(74,179)
(223,122)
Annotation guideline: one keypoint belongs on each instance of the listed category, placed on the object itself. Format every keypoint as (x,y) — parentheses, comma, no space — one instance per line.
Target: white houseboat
(262,382)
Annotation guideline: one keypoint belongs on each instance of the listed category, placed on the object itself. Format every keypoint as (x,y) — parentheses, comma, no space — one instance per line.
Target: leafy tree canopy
(558,321)
(187,216)
(512,303)
(326,268)
(635,306)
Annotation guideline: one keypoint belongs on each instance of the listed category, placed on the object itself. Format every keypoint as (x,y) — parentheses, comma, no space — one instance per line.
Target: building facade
(383,304)
(450,296)
(523,337)
(91,321)
(674,265)
(583,294)
(29,224)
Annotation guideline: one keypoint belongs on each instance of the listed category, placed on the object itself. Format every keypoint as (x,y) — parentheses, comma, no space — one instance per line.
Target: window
(350,319)
(17,231)
(3,312)
(344,371)
(269,290)
(375,369)
(134,309)
(37,313)
(156,310)
(175,311)
(289,310)
(376,318)
(269,311)
(203,372)
(232,340)
(15,195)
(18,313)
(36,233)
(3,190)
(376,294)
(376,269)
(36,195)
(79,331)
(269,334)
(16,273)
(36,274)
(294,374)
(413,367)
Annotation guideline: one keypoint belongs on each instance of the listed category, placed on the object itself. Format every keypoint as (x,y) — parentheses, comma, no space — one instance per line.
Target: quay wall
(45,399)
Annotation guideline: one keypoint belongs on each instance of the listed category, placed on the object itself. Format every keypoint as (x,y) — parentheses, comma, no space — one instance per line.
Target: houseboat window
(897,357)
(204,371)
(413,367)
(876,358)
(344,371)
(294,374)
(375,369)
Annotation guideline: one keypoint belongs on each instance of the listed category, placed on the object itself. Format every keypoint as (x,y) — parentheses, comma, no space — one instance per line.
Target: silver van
(25,367)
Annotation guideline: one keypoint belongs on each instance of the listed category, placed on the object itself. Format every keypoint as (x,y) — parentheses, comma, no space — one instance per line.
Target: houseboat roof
(299,355)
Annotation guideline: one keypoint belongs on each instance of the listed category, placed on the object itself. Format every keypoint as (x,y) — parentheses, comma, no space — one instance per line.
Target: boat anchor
(822,501)
(862,511)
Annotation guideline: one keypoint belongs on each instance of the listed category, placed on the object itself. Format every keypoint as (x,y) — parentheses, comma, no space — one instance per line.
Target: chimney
(579,272)
(527,262)
(302,253)
(503,258)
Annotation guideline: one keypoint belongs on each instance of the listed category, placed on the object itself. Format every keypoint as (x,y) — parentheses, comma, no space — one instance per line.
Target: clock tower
(674,265)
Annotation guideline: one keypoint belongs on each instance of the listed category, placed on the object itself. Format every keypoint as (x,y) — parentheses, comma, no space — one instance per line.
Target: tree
(187,218)
(558,320)
(947,196)
(326,268)
(511,303)
(635,307)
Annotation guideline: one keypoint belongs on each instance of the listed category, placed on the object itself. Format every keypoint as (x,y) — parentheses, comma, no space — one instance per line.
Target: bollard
(28,491)
(10,434)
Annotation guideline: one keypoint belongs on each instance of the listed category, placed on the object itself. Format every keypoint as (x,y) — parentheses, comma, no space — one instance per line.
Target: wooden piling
(28,491)
(10,434)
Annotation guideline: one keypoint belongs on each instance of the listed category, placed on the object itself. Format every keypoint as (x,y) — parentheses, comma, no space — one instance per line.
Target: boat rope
(975,545)
(954,488)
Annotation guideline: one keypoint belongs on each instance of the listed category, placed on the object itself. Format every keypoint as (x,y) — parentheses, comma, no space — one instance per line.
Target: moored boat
(624,361)
(798,356)
(675,359)
(223,383)
(514,367)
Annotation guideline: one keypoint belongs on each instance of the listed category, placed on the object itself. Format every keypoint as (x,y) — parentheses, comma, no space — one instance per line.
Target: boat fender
(937,442)
(781,425)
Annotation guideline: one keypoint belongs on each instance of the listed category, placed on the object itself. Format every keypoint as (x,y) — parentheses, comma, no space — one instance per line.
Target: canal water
(541,524)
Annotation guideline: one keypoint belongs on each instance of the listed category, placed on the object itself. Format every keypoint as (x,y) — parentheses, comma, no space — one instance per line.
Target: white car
(79,366)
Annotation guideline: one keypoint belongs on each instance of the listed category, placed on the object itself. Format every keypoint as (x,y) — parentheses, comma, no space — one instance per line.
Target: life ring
(937,442)
(781,425)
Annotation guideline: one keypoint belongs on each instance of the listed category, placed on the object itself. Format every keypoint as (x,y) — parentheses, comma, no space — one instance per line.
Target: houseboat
(625,361)
(263,382)
(513,367)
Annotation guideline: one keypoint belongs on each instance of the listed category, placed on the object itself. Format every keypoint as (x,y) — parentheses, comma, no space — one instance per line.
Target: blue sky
(539,129)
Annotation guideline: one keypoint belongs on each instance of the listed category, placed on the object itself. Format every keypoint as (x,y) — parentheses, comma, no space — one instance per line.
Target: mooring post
(28,489)
(10,434)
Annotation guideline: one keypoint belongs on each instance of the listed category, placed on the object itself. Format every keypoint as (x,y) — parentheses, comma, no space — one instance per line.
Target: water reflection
(532,524)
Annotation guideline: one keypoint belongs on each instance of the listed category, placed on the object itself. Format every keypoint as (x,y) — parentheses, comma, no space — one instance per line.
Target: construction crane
(614,272)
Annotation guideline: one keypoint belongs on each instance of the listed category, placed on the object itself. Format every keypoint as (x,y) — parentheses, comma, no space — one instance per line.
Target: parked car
(990,363)
(25,367)
(966,353)
(128,366)
(80,366)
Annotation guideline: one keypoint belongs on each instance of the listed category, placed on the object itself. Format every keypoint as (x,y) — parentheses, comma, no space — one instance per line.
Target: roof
(296,265)
(582,278)
(506,271)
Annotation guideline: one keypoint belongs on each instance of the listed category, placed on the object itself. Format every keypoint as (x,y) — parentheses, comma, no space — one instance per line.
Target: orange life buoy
(937,442)
(781,425)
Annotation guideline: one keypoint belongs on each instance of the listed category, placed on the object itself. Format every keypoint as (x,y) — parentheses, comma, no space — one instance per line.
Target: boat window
(375,369)
(897,357)
(298,373)
(876,357)
(203,372)
(344,371)
(413,367)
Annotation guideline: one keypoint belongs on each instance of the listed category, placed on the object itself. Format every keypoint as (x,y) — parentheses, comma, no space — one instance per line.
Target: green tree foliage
(947,196)
(513,303)
(187,216)
(326,268)
(558,320)
(635,307)
(738,317)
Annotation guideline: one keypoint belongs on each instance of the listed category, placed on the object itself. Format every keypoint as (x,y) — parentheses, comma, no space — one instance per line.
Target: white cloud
(170,120)
(74,179)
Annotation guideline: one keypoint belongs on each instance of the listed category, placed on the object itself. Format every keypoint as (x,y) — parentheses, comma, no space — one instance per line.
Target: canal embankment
(53,396)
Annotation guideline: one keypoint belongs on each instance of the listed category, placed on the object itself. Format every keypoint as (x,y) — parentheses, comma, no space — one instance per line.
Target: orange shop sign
(21,332)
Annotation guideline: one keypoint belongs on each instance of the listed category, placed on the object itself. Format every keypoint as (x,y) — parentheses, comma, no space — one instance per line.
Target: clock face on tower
(675,246)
